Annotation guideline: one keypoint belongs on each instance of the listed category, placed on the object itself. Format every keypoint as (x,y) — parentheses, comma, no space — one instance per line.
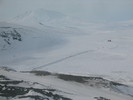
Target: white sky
(90,10)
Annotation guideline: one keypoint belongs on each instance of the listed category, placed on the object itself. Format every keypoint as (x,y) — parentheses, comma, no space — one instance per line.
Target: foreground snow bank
(43,85)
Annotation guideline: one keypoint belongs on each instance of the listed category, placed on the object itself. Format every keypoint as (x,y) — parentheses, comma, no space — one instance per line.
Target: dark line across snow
(62,59)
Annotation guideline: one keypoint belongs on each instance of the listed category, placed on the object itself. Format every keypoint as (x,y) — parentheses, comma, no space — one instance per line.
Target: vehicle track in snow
(62,59)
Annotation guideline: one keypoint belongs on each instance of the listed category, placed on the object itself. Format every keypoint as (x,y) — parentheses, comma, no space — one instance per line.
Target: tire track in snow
(62,59)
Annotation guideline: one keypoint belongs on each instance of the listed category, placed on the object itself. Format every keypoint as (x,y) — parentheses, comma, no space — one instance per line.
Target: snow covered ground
(56,43)
(96,49)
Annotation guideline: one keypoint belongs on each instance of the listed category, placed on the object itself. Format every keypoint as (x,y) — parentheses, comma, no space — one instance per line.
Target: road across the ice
(62,59)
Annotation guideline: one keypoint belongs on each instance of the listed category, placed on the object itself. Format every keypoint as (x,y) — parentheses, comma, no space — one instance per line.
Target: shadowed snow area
(19,44)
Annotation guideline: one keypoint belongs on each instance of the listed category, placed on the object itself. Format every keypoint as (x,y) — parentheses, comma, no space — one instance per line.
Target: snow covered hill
(18,43)
(41,17)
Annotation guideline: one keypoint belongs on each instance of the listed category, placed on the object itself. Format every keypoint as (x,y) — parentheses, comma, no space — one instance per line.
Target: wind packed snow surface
(51,41)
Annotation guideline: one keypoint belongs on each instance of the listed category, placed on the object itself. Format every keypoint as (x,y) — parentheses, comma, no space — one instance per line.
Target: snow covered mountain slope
(41,85)
(41,17)
(8,35)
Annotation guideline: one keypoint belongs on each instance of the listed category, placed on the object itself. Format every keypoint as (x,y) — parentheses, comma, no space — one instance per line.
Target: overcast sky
(90,10)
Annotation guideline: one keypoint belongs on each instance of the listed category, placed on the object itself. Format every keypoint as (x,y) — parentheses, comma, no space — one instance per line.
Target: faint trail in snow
(62,59)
